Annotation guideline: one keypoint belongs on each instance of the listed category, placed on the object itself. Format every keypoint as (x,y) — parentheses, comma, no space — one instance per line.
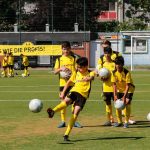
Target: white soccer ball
(23,75)
(119,104)
(104,73)
(148,116)
(65,74)
(35,105)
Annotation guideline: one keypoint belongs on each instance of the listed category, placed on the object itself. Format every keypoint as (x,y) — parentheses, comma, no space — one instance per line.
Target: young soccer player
(66,62)
(123,89)
(25,63)
(107,85)
(5,65)
(77,95)
(10,65)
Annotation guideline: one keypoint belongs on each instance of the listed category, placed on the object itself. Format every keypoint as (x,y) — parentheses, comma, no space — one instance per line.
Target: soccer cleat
(117,124)
(66,138)
(108,123)
(78,125)
(50,112)
(132,121)
(125,125)
(61,125)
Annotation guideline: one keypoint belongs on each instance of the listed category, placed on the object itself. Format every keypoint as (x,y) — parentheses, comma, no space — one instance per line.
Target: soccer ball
(104,73)
(35,105)
(119,104)
(23,75)
(148,116)
(65,74)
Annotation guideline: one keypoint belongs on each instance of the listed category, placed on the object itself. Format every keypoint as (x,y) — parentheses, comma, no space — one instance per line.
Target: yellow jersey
(25,61)
(107,85)
(5,61)
(102,58)
(121,79)
(68,62)
(10,60)
(81,86)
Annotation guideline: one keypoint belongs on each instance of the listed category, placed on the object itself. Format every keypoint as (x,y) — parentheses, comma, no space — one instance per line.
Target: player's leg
(119,118)
(76,124)
(79,102)
(127,110)
(72,121)
(5,71)
(63,111)
(60,106)
(107,98)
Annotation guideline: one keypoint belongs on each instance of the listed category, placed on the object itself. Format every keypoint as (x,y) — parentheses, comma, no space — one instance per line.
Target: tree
(138,9)
(7,15)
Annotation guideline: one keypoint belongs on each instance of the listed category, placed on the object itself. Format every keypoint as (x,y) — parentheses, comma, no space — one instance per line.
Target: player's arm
(125,92)
(115,91)
(113,80)
(57,67)
(128,84)
(89,78)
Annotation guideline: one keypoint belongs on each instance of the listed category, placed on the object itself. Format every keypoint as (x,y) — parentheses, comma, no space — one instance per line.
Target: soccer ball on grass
(119,104)
(35,105)
(148,116)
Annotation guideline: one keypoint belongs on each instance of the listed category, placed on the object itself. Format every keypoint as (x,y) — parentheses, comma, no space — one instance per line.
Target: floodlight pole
(19,21)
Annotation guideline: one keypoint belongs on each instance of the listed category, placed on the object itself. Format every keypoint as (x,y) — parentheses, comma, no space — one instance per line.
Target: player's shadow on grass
(108,138)
(141,124)
(93,126)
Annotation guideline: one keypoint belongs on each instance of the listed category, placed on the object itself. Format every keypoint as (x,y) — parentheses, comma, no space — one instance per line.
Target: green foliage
(139,9)
(132,24)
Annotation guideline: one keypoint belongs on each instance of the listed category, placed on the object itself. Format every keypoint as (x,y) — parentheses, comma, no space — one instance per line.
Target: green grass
(21,129)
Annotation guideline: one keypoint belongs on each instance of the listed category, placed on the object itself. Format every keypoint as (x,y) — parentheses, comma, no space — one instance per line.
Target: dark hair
(107,42)
(82,61)
(107,50)
(119,60)
(66,44)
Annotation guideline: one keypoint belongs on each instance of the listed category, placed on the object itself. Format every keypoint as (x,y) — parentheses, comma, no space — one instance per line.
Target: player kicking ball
(78,94)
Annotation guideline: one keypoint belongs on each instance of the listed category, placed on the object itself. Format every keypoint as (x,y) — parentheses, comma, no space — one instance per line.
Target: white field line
(55,85)
(23,91)
(57,100)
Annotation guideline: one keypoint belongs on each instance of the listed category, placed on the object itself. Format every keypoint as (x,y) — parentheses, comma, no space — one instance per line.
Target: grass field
(21,129)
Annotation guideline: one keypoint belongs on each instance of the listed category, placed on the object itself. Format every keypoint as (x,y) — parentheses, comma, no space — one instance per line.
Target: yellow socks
(71,123)
(63,115)
(109,112)
(127,112)
(60,106)
(119,115)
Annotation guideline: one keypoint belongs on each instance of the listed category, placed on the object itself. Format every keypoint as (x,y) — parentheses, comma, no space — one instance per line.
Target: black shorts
(11,66)
(108,96)
(128,96)
(25,67)
(5,67)
(67,91)
(77,99)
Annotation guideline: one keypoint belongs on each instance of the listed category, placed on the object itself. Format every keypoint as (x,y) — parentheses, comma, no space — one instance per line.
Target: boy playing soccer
(77,95)
(66,62)
(123,89)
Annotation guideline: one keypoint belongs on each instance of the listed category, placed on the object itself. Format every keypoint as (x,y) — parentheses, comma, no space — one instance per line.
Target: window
(139,45)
